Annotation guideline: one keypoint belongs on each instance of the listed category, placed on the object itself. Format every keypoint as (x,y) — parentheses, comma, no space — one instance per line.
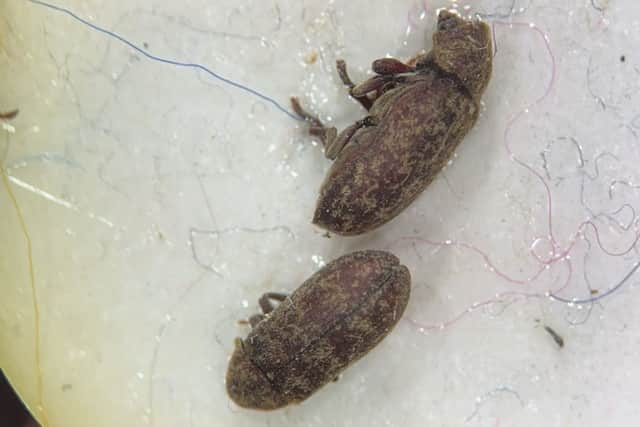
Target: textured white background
(160,203)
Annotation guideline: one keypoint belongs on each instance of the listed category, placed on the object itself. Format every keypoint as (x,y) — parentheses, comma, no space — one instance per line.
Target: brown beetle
(334,318)
(418,114)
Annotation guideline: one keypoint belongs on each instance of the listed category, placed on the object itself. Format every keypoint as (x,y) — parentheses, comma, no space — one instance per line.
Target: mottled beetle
(418,114)
(334,318)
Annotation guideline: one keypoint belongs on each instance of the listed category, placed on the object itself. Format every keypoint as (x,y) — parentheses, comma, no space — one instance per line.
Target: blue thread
(599,297)
(169,61)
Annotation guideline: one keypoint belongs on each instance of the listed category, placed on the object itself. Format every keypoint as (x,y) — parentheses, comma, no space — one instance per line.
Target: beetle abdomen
(349,338)
(331,320)
(384,168)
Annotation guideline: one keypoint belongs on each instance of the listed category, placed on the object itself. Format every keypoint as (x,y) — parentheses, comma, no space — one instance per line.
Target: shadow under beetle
(333,319)
(417,115)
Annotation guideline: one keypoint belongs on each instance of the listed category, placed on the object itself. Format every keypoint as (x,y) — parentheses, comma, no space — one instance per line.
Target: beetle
(418,112)
(556,336)
(333,319)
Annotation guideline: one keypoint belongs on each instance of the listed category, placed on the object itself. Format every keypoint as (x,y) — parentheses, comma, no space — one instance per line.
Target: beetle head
(246,384)
(463,47)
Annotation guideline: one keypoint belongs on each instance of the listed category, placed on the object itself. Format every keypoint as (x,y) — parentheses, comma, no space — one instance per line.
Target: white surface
(162,203)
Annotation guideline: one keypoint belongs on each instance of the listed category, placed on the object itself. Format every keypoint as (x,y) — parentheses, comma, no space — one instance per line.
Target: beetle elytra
(334,318)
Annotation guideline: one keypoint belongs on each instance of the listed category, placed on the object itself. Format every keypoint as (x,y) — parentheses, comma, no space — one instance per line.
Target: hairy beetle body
(333,319)
(418,114)
(383,169)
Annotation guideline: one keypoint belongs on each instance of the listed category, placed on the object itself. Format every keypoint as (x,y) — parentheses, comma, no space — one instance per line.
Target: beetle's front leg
(344,76)
(391,67)
(386,78)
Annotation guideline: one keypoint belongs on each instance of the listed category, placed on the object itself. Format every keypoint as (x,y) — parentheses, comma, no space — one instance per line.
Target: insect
(333,319)
(418,113)
(556,336)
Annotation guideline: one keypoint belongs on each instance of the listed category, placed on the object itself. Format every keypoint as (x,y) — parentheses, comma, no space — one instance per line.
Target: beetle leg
(304,114)
(265,301)
(266,306)
(324,133)
(369,85)
(255,319)
(385,88)
(391,66)
(344,76)
(334,148)
(422,60)
(332,141)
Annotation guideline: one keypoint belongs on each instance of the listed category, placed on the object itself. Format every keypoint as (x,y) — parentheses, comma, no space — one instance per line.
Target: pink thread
(557,252)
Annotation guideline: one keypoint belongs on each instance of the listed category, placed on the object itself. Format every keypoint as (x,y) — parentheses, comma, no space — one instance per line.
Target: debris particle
(556,337)
(8,115)
(311,57)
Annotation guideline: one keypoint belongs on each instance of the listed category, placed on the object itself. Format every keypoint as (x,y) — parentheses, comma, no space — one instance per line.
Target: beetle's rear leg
(344,76)
(334,148)
(332,141)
